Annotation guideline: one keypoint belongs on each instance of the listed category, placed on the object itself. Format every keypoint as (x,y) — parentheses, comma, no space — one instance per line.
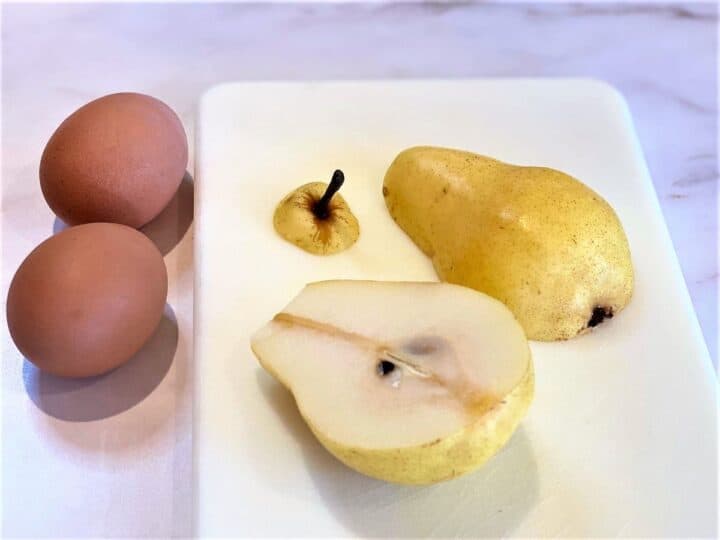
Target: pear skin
(535,238)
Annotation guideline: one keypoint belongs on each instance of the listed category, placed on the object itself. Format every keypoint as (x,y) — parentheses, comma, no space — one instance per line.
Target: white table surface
(113,457)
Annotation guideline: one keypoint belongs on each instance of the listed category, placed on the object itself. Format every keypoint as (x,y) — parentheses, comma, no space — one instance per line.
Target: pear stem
(321,208)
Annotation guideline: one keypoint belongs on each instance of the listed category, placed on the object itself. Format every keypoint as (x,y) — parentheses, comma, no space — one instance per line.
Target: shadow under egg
(103,396)
(171,224)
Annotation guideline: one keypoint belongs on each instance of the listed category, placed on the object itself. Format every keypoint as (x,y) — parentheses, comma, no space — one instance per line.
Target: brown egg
(87,299)
(118,159)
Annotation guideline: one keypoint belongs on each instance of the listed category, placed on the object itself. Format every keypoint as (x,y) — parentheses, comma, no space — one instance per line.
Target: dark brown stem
(321,208)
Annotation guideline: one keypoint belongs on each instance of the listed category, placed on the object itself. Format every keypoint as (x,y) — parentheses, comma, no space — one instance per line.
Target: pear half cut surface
(407,382)
(535,238)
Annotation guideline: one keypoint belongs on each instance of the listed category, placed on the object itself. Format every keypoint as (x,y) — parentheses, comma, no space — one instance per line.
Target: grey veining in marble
(128,474)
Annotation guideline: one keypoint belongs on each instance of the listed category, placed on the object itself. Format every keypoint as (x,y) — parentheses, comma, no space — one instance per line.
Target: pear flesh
(411,383)
(537,239)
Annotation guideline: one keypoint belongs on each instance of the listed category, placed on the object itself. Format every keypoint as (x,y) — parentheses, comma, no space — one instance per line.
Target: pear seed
(385,367)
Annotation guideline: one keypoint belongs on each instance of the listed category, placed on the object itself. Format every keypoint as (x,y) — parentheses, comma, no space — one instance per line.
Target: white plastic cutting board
(621,437)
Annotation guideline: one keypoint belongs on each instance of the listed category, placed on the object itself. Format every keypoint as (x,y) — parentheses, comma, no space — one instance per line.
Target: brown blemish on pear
(599,314)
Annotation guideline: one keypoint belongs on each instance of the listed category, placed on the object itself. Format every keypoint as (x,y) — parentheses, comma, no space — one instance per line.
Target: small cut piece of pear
(317,219)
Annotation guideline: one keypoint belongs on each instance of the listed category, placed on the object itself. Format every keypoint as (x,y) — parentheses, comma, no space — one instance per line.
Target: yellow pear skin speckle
(535,238)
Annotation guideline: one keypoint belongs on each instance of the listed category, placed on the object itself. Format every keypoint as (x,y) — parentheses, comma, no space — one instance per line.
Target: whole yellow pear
(535,238)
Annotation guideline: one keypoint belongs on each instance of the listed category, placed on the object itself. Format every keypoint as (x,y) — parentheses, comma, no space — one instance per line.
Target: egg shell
(87,299)
(118,159)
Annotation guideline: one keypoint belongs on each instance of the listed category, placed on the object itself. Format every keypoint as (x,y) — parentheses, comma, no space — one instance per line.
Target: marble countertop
(123,469)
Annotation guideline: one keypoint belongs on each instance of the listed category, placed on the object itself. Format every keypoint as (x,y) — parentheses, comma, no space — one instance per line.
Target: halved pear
(316,218)
(411,383)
